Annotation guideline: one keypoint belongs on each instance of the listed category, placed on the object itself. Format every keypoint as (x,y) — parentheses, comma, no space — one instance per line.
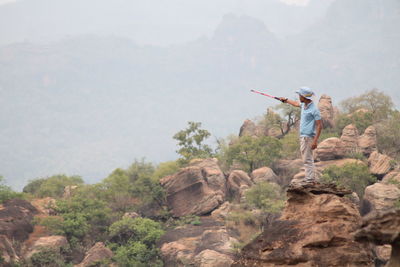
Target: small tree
(254,152)
(266,196)
(6,193)
(354,176)
(285,119)
(51,186)
(191,142)
(389,135)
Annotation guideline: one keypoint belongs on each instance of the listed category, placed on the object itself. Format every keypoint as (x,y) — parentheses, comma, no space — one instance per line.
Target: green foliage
(144,230)
(52,186)
(54,224)
(165,168)
(47,258)
(190,141)
(254,152)
(290,146)
(356,155)
(388,135)
(242,216)
(282,118)
(83,215)
(353,176)
(266,196)
(360,119)
(134,242)
(378,103)
(6,193)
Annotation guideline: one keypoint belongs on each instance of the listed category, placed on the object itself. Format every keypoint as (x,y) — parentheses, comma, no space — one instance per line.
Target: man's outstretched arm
(291,102)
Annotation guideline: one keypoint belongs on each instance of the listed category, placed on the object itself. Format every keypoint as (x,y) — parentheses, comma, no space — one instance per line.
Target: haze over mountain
(90,103)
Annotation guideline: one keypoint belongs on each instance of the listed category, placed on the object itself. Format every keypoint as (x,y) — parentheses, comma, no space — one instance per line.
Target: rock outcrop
(264,174)
(95,254)
(392,178)
(238,181)
(315,229)
(381,196)
(379,164)
(192,245)
(368,142)
(197,189)
(249,128)
(327,112)
(383,228)
(15,219)
(350,142)
(55,243)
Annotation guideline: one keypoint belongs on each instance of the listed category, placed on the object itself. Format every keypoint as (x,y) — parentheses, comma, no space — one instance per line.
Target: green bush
(388,135)
(47,258)
(290,146)
(360,119)
(353,176)
(253,152)
(165,168)
(83,216)
(54,224)
(6,193)
(134,242)
(266,196)
(52,186)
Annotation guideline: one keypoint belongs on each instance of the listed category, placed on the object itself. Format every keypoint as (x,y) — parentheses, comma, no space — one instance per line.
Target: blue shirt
(309,115)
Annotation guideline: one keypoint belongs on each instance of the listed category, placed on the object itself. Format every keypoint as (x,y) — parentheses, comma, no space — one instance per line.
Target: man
(310,129)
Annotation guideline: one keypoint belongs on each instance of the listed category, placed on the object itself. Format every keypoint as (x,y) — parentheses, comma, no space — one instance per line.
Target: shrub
(253,152)
(353,176)
(52,186)
(266,196)
(6,193)
(47,258)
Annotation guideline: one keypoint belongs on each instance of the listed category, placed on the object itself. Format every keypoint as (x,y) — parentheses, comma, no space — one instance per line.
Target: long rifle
(264,94)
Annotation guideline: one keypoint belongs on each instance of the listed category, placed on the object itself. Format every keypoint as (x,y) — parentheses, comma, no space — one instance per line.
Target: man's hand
(283,99)
(314,144)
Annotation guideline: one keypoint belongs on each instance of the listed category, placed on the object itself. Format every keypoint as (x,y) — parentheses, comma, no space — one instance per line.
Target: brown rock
(379,164)
(264,174)
(222,212)
(249,128)
(55,243)
(314,230)
(326,109)
(381,196)
(68,190)
(329,149)
(131,215)
(15,219)
(392,178)
(7,250)
(238,181)
(45,205)
(382,227)
(197,189)
(97,253)
(211,258)
(349,139)
(368,142)
(218,240)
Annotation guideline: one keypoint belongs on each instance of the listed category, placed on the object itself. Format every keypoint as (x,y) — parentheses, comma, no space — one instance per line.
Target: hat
(305,92)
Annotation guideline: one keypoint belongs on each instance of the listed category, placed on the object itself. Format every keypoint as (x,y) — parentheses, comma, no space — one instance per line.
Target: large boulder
(95,254)
(327,112)
(249,128)
(368,142)
(330,149)
(45,206)
(379,164)
(264,174)
(392,178)
(211,258)
(238,181)
(383,227)
(381,196)
(55,243)
(8,252)
(15,219)
(182,246)
(315,229)
(197,189)
(349,139)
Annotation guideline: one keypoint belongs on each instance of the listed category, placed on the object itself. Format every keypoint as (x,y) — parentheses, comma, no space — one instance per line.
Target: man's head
(305,94)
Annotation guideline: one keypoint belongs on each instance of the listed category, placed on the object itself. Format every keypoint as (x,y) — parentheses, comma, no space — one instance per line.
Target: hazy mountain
(88,104)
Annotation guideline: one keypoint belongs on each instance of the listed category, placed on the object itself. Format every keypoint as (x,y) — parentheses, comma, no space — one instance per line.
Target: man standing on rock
(310,129)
